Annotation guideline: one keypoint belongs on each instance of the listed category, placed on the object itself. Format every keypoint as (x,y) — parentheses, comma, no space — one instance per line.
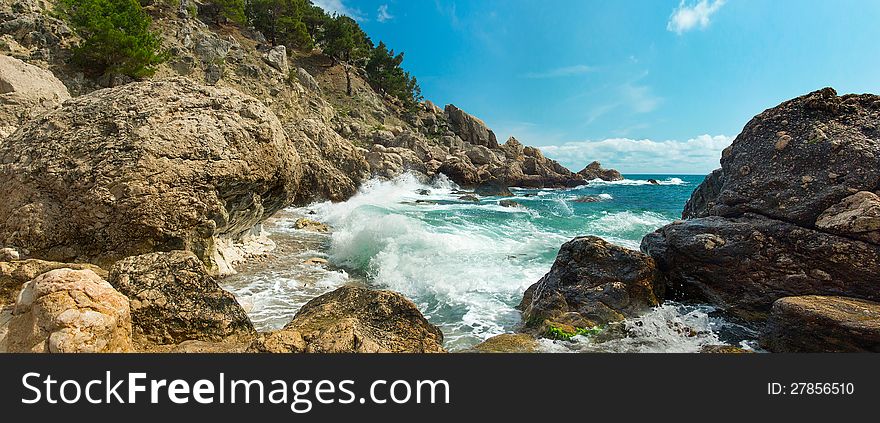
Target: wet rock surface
(823,324)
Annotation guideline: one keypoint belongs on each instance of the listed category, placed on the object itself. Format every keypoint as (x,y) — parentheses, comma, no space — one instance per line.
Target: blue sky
(658,86)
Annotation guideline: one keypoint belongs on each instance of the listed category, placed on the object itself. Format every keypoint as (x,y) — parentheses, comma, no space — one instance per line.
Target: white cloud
(383,15)
(560,72)
(692,15)
(640,98)
(337,6)
(699,155)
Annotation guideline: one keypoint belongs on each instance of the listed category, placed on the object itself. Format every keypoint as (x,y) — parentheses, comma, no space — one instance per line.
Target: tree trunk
(348,79)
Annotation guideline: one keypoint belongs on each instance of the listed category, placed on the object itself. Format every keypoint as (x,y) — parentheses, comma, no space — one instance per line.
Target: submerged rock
(823,324)
(174,299)
(69,311)
(469,197)
(509,203)
(149,166)
(592,282)
(355,320)
(493,189)
(595,170)
(588,199)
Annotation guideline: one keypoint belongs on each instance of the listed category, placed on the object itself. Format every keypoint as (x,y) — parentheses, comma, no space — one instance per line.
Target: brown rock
(150,166)
(591,283)
(856,216)
(355,320)
(14,274)
(823,324)
(174,299)
(507,343)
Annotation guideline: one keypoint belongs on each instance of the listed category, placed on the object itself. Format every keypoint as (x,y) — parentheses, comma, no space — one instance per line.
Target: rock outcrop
(744,264)
(595,170)
(591,283)
(355,320)
(173,299)
(793,211)
(823,324)
(151,166)
(68,311)
(26,91)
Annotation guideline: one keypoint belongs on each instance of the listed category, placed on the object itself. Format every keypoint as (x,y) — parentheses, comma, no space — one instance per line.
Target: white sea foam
(634,182)
(671,328)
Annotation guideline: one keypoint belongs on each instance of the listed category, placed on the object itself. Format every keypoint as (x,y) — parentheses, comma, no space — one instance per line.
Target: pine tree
(347,44)
(116,36)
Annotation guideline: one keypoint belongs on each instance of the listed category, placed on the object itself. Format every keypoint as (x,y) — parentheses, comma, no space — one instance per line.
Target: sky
(658,86)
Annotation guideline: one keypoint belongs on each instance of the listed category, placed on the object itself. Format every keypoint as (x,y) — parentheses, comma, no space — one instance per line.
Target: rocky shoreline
(125,202)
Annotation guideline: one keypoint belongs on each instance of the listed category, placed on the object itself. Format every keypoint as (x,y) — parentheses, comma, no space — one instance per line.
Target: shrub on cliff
(116,36)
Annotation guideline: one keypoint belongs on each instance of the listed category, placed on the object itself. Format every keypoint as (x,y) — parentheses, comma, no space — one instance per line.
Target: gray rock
(277,58)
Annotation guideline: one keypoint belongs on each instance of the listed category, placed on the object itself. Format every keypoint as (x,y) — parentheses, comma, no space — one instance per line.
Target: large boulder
(745,264)
(595,170)
(355,320)
(67,311)
(794,161)
(26,91)
(14,274)
(823,324)
(173,299)
(591,283)
(793,211)
(469,128)
(150,166)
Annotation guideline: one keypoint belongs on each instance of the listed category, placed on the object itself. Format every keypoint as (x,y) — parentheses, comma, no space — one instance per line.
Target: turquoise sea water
(467,264)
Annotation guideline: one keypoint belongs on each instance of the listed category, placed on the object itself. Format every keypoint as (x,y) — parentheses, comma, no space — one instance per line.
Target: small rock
(507,343)
(310,225)
(653,182)
(316,261)
(8,254)
(469,197)
(588,199)
(493,189)
(509,203)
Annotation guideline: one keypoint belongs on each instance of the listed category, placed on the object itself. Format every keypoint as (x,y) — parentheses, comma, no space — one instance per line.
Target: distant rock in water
(150,166)
(493,189)
(355,320)
(592,283)
(469,197)
(823,324)
(509,203)
(595,170)
(793,212)
(653,182)
(588,199)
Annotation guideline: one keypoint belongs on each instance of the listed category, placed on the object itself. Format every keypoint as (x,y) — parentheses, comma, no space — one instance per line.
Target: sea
(466,264)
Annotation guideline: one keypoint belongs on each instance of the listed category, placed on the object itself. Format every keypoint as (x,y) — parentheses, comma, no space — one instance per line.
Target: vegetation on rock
(116,36)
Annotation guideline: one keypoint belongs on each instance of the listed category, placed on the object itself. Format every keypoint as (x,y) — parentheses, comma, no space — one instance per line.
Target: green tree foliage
(386,75)
(116,36)
(300,25)
(230,10)
(345,42)
(292,23)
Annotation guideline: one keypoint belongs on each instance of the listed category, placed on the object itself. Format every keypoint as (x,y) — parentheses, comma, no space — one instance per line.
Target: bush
(116,37)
